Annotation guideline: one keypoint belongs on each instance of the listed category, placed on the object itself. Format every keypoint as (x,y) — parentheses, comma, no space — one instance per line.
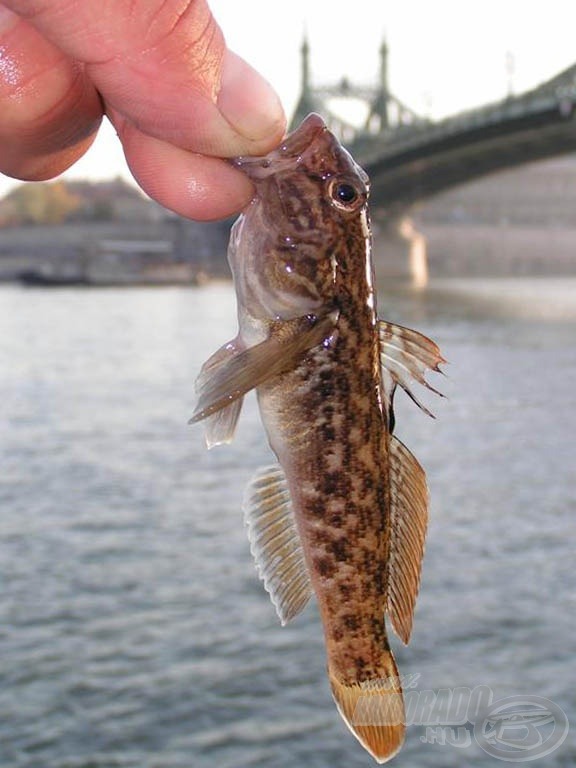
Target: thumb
(250,105)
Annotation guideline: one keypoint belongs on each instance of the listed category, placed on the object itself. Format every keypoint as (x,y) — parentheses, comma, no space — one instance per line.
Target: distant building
(113,200)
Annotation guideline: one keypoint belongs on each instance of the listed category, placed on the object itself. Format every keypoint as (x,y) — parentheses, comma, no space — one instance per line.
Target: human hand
(160,70)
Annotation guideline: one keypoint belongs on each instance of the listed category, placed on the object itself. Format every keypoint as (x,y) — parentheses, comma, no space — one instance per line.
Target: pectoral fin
(221,425)
(408,522)
(229,378)
(406,355)
(274,542)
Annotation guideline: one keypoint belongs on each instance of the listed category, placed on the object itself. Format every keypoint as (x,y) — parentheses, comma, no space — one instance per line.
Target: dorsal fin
(406,355)
(275,543)
(408,522)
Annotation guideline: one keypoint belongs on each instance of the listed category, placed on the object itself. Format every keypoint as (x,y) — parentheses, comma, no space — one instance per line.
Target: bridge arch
(412,158)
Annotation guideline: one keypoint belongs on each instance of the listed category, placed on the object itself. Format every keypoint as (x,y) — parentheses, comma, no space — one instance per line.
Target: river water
(133,629)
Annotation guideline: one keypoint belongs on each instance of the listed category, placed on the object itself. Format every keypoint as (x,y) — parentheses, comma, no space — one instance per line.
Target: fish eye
(344,195)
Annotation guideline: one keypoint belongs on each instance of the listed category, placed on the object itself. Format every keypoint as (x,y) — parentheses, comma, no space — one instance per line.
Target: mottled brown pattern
(302,249)
(337,465)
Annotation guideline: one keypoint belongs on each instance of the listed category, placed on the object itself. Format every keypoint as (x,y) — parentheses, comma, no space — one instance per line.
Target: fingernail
(249,103)
(8,19)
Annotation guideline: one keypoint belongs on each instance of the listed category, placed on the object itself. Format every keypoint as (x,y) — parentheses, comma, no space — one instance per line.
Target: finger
(197,186)
(163,65)
(49,112)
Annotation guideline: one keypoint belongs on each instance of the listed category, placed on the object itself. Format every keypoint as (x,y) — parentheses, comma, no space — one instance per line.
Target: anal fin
(275,543)
(408,522)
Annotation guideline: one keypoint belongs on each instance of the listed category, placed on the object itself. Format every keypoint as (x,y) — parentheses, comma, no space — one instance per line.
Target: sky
(445,55)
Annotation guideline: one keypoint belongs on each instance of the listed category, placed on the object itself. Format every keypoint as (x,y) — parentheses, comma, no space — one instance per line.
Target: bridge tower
(383,110)
(307,102)
(379,107)
(399,249)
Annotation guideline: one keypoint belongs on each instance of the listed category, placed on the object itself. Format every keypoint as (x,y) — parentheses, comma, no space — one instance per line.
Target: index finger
(163,65)
(49,111)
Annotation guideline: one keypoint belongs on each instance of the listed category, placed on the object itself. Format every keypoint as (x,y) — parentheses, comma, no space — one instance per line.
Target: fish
(342,515)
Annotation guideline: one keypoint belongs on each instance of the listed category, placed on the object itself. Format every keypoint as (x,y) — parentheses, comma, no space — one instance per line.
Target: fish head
(311,200)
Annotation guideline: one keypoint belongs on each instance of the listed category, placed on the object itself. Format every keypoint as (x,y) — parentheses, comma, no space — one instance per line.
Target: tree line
(59,202)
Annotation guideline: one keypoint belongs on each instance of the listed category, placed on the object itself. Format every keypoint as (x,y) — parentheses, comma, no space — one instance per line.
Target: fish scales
(343,515)
(338,475)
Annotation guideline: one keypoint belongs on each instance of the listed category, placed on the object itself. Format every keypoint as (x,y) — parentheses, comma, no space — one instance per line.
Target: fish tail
(374,709)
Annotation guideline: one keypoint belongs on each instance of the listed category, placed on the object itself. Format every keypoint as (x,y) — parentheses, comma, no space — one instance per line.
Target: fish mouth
(284,156)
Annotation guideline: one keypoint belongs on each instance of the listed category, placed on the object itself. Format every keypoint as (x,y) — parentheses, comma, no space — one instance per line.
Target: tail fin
(373,710)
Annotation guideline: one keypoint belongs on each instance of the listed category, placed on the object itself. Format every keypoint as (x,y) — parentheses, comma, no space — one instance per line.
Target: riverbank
(177,251)
(171,250)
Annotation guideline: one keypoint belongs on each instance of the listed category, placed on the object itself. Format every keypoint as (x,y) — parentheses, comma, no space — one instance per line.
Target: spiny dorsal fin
(227,380)
(408,522)
(405,355)
(275,543)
